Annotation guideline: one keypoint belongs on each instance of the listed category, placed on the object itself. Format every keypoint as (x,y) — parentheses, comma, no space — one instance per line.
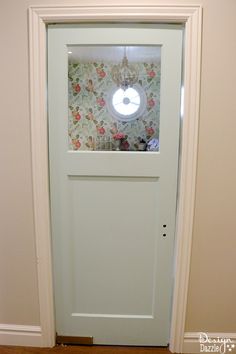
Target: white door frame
(39,17)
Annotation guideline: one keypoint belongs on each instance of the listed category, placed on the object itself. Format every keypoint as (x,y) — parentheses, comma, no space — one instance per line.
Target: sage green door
(113,211)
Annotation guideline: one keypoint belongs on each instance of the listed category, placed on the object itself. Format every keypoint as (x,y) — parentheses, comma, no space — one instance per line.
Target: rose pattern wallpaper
(89,119)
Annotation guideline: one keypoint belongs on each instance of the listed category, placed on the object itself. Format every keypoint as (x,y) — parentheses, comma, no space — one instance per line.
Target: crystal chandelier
(124,74)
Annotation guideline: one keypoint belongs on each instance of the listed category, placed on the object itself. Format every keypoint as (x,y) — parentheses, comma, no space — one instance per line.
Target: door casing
(39,17)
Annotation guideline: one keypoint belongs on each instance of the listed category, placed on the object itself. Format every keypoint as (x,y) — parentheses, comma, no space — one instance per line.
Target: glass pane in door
(114,98)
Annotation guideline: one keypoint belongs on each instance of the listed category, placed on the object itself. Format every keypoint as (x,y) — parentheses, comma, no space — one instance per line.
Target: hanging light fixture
(124,74)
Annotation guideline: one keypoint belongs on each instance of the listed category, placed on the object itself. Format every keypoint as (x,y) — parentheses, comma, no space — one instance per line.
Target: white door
(113,212)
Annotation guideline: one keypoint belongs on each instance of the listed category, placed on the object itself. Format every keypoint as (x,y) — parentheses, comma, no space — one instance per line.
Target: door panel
(113,212)
(115,236)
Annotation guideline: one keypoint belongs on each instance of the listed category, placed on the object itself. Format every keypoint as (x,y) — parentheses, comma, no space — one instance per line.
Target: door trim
(39,17)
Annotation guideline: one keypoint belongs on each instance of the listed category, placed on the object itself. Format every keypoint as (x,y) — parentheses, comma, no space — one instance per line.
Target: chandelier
(124,74)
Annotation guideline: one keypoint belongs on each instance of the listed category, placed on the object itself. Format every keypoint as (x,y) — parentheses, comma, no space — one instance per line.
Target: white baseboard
(29,336)
(192,343)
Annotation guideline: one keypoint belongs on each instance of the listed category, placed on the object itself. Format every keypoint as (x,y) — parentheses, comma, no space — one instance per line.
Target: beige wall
(212,293)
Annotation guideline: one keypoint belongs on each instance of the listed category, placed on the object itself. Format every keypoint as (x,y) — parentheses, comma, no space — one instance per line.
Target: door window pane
(106,111)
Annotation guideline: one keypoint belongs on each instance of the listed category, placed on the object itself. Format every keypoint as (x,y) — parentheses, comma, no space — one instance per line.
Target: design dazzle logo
(215,345)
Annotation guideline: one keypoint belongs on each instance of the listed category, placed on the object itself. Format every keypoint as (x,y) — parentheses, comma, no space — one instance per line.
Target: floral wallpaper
(89,119)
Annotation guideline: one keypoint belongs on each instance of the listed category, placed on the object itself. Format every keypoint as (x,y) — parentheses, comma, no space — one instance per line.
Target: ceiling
(114,53)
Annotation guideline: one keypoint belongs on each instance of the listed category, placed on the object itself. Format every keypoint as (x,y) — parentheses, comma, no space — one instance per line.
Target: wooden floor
(97,349)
